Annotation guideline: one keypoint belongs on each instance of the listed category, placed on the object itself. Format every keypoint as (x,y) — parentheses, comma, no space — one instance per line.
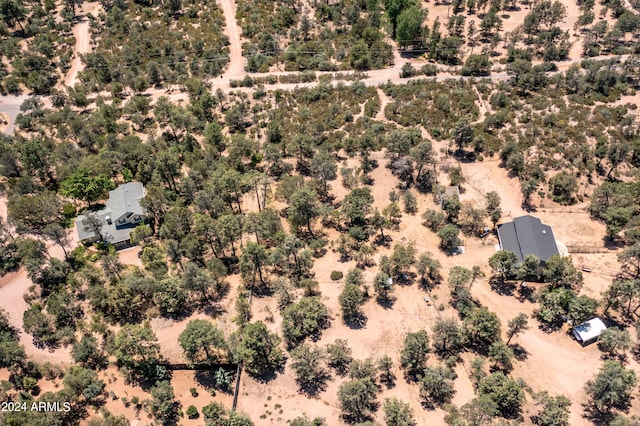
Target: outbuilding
(589,331)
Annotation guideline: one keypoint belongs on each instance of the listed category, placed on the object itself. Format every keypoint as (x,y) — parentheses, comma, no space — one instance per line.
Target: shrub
(336,275)
(192,412)
(429,70)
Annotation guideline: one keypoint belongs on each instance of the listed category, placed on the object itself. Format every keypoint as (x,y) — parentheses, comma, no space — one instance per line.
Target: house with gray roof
(113,224)
(528,235)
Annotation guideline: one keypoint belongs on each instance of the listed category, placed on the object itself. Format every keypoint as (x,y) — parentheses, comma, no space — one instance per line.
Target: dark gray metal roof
(528,235)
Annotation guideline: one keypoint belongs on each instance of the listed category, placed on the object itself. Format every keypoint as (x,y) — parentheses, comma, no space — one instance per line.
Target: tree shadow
(596,416)
(213,310)
(384,242)
(313,388)
(520,352)
(525,294)
(356,322)
(503,288)
(205,379)
(550,327)
(386,303)
(267,376)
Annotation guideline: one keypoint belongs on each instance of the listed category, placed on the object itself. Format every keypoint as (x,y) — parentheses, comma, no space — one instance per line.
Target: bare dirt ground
(83,42)
(182,381)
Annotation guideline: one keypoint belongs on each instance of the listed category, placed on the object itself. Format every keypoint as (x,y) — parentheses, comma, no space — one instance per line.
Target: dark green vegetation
(47,52)
(331,36)
(139,45)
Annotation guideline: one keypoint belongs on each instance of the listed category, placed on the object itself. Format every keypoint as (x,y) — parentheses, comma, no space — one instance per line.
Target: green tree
(630,261)
(614,339)
(612,387)
(203,343)
(339,356)
(80,381)
(308,363)
(554,303)
(409,24)
(501,354)
(503,263)
(563,186)
(356,206)
(32,213)
(324,166)
(413,356)
(492,201)
(505,392)
(554,410)
(517,325)
(253,264)
(463,134)
(383,287)
(394,8)
(82,185)
(12,12)
(305,421)
(398,413)
(477,65)
(449,239)
(358,399)
(86,352)
(448,336)
(258,349)
(478,411)
(351,300)
(482,327)
(162,404)
(304,319)
(560,272)
(216,414)
(170,295)
(136,347)
(582,308)
(385,365)
(429,267)
(436,385)
(303,208)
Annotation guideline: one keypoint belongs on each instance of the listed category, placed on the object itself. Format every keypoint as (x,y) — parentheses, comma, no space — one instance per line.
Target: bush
(336,275)
(429,70)
(69,211)
(408,71)
(192,412)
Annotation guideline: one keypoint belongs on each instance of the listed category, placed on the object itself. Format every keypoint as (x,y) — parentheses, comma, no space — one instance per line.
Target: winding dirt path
(235,70)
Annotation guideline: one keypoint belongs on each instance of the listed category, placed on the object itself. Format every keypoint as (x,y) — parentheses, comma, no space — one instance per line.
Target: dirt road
(81,33)
(235,70)
(83,43)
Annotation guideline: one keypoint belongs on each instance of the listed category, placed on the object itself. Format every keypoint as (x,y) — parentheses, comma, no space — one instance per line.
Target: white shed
(589,331)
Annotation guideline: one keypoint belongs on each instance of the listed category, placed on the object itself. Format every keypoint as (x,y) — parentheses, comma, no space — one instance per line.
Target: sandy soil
(182,381)
(130,256)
